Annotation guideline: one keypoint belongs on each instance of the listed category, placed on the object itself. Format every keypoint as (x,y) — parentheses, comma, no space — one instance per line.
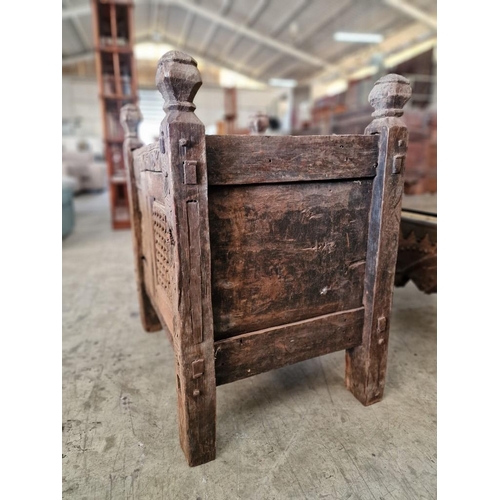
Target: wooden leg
(366,364)
(149,318)
(130,117)
(196,409)
(184,185)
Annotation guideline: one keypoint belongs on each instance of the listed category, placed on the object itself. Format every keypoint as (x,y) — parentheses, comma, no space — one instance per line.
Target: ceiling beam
(186,28)
(73,12)
(222,21)
(82,34)
(411,35)
(258,72)
(286,21)
(226,6)
(413,12)
(154,15)
(250,21)
(256,12)
(352,49)
(282,48)
(255,35)
(210,59)
(162,37)
(333,14)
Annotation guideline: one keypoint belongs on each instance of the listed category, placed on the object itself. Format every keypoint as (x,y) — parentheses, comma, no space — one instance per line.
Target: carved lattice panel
(164,246)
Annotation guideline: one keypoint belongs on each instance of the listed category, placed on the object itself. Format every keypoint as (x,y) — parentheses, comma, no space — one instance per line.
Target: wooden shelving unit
(116,75)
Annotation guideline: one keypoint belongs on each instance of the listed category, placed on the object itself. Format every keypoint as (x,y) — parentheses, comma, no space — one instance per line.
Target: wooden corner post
(366,364)
(184,166)
(130,117)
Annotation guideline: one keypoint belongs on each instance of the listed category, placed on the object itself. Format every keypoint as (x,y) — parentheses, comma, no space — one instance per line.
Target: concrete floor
(294,433)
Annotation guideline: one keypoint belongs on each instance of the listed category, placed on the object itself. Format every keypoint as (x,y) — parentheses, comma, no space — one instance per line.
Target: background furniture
(255,252)
(87,174)
(116,74)
(417,250)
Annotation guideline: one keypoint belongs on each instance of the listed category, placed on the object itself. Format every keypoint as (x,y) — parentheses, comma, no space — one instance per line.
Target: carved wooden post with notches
(130,117)
(184,167)
(366,364)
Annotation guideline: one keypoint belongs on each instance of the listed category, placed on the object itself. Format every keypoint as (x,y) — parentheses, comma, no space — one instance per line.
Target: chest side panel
(283,253)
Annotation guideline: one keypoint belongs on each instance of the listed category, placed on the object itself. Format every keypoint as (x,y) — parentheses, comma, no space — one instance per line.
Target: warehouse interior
(307,67)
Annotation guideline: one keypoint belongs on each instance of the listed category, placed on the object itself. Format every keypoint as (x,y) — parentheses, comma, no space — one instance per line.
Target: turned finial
(389,95)
(178,80)
(130,117)
(259,123)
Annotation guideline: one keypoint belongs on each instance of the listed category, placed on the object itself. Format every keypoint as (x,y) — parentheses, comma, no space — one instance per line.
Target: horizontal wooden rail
(257,352)
(243,159)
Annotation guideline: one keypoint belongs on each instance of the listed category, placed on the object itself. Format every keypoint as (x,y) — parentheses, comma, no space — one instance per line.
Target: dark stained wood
(146,202)
(366,364)
(417,251)
(234,159)
(193,219)
(175,257)
(164,270)
(130,117)
(287,252)
(182,141)
(257,352)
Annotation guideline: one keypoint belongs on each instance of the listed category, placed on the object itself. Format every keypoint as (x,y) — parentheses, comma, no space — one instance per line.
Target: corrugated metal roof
(262,38)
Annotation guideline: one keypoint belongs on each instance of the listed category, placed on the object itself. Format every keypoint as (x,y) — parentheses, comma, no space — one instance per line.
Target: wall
(81,114)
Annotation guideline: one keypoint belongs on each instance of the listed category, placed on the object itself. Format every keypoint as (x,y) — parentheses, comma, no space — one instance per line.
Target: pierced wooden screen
(163,246)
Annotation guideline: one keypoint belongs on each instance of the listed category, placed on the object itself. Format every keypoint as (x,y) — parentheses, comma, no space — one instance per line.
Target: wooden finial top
(130,117)
(178,80)
(389,95)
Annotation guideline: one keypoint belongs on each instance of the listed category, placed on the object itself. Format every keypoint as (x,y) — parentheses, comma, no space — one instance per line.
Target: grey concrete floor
(293,433)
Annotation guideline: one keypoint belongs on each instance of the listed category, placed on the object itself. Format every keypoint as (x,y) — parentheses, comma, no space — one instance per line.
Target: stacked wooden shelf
(116,74)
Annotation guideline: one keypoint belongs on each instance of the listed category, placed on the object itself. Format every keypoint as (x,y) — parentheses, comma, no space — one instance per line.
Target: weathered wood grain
(284,253)
(147,236)
(164,263)
(366,364)
(256,352)
(195,257)
(285,247)
(152,184)
(130,117)
(233,159)
(181,147)
(147,159)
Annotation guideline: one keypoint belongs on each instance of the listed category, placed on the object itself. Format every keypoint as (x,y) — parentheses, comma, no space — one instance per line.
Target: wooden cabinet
(116,75)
